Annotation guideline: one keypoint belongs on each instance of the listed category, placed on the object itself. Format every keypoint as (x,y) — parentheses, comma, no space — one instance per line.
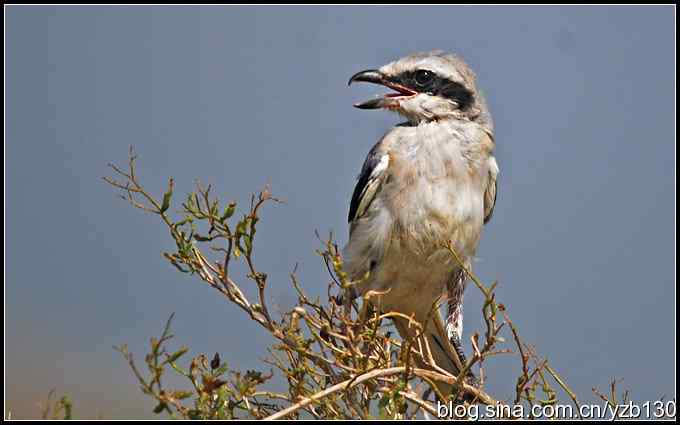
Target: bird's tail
(435,337)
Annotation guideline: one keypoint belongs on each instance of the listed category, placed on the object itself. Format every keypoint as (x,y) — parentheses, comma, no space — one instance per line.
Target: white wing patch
(382,166)
(491,187)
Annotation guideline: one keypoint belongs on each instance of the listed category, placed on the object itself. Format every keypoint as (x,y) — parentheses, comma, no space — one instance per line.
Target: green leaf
(167,196)
(177,354)
(65,402)
(249,244)
(181,395)
(221,370)
(241,227)
(229,211)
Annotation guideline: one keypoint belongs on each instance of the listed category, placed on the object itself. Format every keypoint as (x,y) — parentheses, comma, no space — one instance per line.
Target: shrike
(429,180)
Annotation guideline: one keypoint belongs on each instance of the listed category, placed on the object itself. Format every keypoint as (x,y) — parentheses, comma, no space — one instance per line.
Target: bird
(428,182)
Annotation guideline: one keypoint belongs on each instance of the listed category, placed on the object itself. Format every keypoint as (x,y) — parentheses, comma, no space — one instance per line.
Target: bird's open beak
(389,100)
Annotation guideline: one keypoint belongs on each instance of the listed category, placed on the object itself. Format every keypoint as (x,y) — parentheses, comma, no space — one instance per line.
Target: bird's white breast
(435,194)
(432,194)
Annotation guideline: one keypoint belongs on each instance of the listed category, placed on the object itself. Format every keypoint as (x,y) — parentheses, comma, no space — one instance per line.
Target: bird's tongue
(400,91)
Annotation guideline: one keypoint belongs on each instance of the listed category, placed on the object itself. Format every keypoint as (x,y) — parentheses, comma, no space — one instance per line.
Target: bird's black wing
(368,184)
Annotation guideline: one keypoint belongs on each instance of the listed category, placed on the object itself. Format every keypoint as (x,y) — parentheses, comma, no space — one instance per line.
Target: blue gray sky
(582,239)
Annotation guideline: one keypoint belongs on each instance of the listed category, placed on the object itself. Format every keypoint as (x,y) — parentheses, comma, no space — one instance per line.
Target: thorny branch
(339,358)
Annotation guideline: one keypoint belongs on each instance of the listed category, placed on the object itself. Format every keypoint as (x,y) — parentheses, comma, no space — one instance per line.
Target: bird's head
(428,87)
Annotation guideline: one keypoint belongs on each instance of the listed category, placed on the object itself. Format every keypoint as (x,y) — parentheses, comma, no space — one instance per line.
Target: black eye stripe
(437,86)
(458,93)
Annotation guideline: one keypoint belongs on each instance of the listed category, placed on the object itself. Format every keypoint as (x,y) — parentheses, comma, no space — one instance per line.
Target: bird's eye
(423,77)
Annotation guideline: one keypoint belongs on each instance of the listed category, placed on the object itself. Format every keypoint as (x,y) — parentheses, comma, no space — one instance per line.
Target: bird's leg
(454,319)
(458,346)
(454,313)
